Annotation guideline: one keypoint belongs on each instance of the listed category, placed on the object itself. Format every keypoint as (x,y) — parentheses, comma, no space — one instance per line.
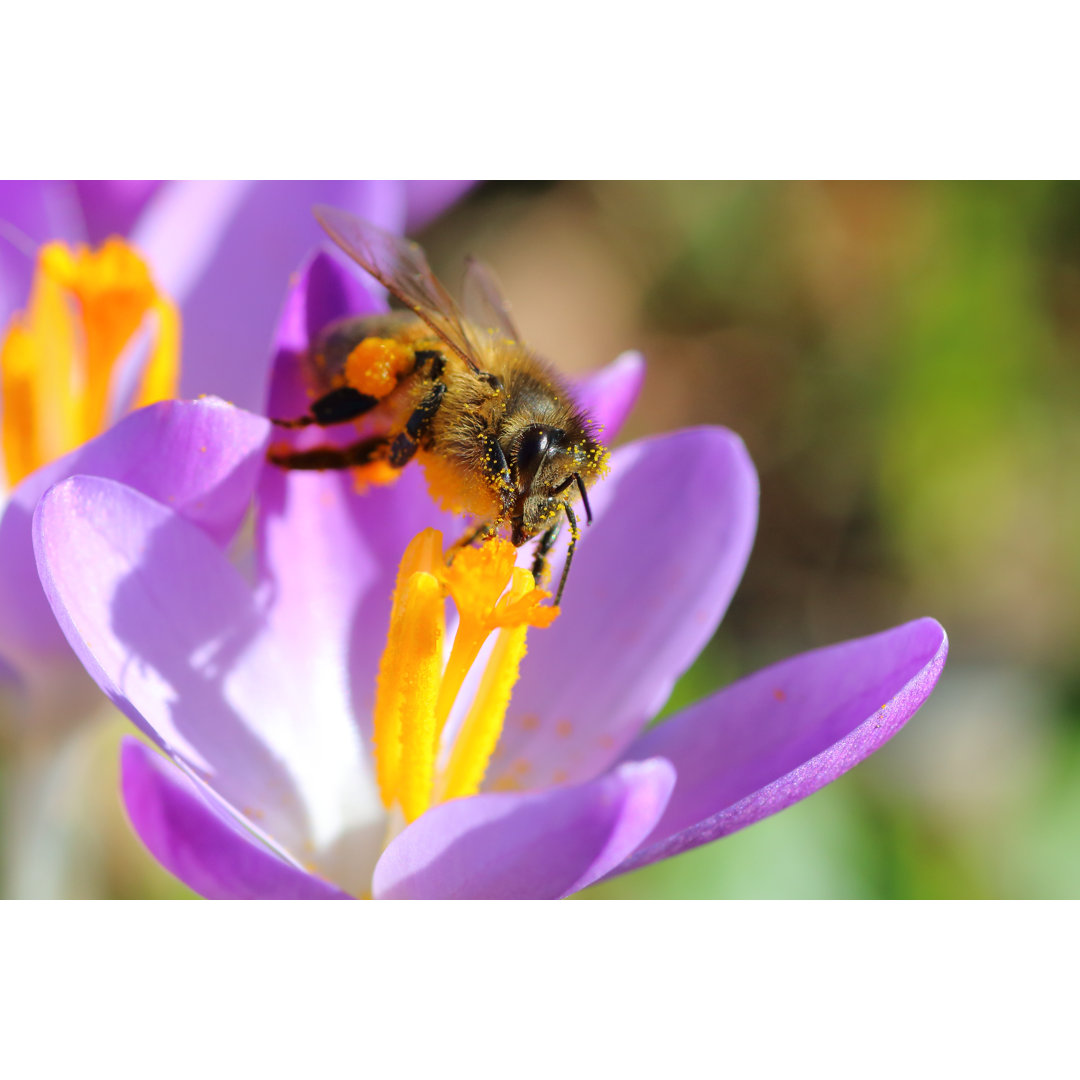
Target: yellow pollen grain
(376,364)
(59,356)
(564,729)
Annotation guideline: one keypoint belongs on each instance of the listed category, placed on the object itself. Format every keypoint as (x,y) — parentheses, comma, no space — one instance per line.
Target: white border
(764,90)
(524,990)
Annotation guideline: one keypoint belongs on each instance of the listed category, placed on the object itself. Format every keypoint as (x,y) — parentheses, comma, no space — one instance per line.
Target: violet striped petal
(525,847)
(199,457)
(609,394)
(192,839)
(778,735)
(650,582)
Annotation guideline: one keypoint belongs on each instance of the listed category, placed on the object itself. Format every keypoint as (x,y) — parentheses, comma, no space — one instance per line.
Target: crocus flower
(271,700)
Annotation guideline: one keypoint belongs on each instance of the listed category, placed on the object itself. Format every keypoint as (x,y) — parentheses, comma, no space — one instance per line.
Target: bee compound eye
(532,448)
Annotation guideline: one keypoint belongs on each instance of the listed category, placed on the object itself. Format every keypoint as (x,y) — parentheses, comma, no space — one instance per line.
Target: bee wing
(400,266)
(485,306)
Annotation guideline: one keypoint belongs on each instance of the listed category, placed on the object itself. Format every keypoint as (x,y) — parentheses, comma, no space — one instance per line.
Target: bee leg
(574,533)
(408,440)
(477,532)
(547,542)
(330,457)
(575,478)
(337,407)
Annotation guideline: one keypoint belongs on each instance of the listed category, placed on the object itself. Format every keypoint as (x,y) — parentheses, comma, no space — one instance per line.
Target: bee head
(545,467)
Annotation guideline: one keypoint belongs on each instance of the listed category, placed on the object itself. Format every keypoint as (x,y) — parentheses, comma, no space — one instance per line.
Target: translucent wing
(485,306)
(400,266)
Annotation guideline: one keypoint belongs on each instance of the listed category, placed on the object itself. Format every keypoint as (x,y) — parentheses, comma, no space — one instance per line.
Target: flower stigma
(417,691)
(59,357)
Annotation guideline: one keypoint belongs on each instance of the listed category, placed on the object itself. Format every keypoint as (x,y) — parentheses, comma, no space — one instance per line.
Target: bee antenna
(584,498)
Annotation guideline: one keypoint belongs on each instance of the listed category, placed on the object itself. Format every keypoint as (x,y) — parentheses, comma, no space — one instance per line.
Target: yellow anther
(60,355)
(477,580)
(475,743)
(478,577)
(415,694)
(376,364)
(422,641)
(408,659)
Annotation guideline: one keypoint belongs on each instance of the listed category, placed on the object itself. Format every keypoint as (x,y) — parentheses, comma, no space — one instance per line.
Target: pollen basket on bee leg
(376,366)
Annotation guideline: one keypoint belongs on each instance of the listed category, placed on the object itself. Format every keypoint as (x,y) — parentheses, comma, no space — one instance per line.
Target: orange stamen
(59,357)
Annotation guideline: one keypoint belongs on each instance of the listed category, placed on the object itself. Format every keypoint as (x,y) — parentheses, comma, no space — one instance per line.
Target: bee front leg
(337,407)
(575,532)
(540,566)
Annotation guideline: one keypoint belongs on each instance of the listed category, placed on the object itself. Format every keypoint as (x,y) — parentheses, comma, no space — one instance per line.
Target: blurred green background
(901,360)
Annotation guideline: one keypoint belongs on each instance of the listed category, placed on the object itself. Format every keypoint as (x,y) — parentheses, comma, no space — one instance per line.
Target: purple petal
(195,843)
(777,736)
(232,275)
(650,582)
(427,199)
(111,207)
(169,629)
(199,457)
(181,230)
(609,394)
(321,292)
(32,212)
(525,847)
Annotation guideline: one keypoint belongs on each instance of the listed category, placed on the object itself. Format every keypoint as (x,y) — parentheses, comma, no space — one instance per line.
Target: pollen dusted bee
(497,432)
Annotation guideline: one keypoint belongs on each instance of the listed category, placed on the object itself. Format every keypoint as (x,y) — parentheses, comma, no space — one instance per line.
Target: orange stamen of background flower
(59,357)
(416,693)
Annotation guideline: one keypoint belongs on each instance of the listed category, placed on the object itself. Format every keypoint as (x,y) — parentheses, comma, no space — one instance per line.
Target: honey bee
(498,433)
